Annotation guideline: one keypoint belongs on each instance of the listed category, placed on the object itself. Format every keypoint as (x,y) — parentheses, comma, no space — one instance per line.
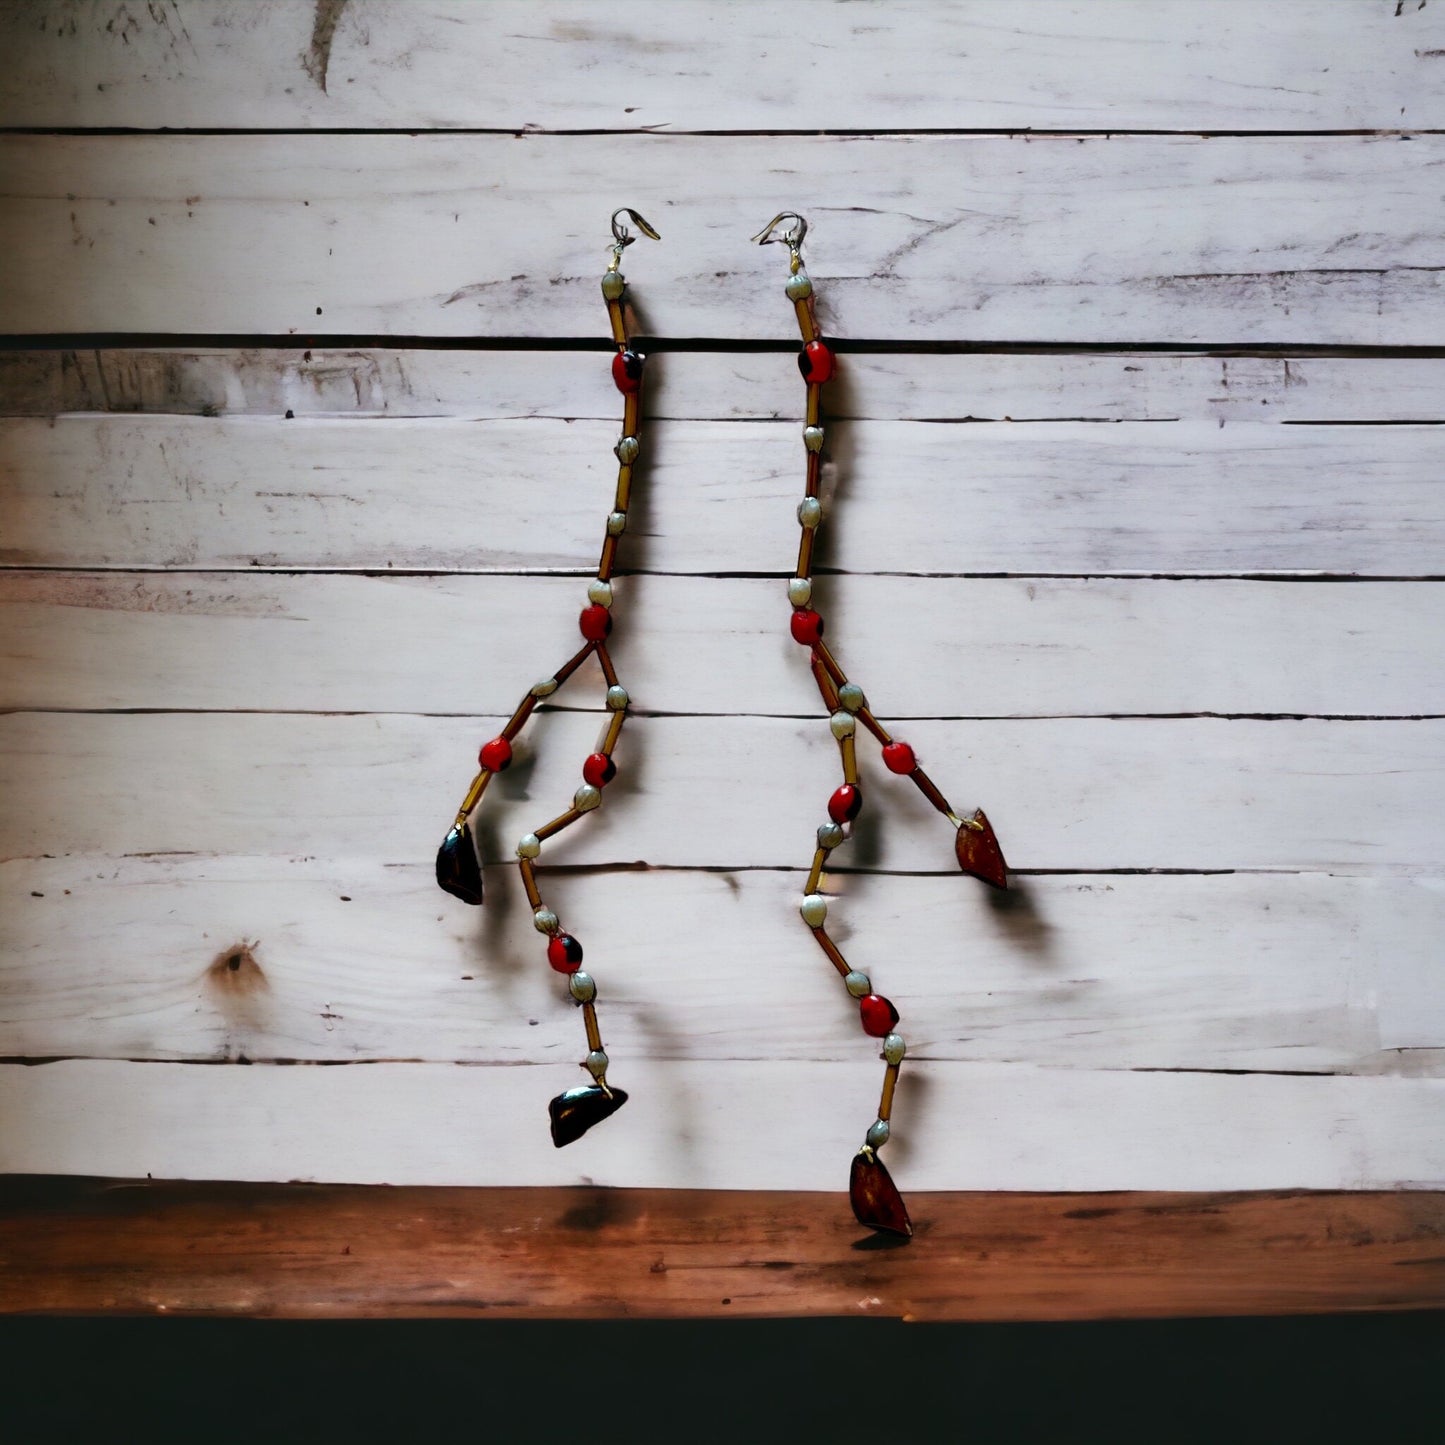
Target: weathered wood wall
(305,450)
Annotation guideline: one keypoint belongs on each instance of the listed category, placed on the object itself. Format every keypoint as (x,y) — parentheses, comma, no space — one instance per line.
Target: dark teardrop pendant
(979,854)
(576,1111)
(875,1197)
(457,868)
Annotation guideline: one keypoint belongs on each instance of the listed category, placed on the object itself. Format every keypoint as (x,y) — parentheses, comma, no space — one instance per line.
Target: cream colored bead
(581,986)
(858,984)
(617,698)
(545,921)
(814,909)
(613,285)
(529,845)
(830,835)
(626,450)
(813,438)
(810,512)
(842,724)
(545,688)
(894,1048)
(799,288)
(878,1132)
(597,1064)
(850,697)
(616,524)
(800,591)
(586,798)
(599,592)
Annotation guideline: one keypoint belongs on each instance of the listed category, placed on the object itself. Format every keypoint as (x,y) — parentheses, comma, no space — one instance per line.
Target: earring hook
(792,237)
(622,235)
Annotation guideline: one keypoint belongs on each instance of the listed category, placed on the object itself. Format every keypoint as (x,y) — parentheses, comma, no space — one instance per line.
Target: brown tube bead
(605,659)
(927,787)
(890,1082)
(589,1021)
(874,726)
(815,404)
(820,651)
(529,882)
(815,874)
(631,412)
(807,322)
(623,494)
(825,684)
(848,748)
(805,553)
(619,326)
(562,820)
(815,474)
(614,731)
(474,794)
(831,949)
(573,663)
(519,718)
(608,559)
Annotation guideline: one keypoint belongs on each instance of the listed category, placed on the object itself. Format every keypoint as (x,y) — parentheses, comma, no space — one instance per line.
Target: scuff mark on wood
(316,60)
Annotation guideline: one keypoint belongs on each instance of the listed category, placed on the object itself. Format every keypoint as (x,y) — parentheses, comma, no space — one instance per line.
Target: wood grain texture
(995,648)
(632,65)
(915,238)
(732,386)
(911,497)
(1066,794)
(349,959)
(694,1124)
(136,1247)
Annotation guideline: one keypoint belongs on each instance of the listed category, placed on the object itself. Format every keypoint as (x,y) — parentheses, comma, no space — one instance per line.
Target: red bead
(878,1015)
(816,363)
(495,755)
(599,770)
(595,622)
(845,804)
(898,758)
(807,626)
(564,953)
(627,371)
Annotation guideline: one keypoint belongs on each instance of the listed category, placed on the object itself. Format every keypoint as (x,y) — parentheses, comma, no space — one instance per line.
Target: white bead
(597,1063)
(858,984)
(599,592)
(843,725)
(799,288)
(850,697)
(894,1048)
(626,450)
(813,438)
(529,845)
(877,1135)
(545,688)
(617,698)
(616,523)
(545,921)
(582,987)
(810,512)
(814,909)
(800,591)
(586,798)
(613,285)
(830,835)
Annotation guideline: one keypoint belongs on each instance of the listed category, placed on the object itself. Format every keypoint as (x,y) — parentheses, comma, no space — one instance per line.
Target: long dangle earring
(875,1198)
(459,872)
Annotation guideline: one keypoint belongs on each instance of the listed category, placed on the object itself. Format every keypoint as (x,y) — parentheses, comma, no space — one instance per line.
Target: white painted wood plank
(1066,239)
(762,1125)
(714,792)
(352,960)
(626,64)
(977,647)
(996,386)
(720,496)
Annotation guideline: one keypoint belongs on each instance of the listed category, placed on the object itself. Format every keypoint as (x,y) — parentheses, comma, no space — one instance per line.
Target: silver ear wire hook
(792,237)
(622,237)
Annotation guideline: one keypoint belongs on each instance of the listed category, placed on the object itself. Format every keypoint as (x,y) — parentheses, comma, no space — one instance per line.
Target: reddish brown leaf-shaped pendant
(876,1200)
(978,852)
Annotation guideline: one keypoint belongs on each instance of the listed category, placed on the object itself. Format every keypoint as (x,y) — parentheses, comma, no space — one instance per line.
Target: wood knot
(235,970)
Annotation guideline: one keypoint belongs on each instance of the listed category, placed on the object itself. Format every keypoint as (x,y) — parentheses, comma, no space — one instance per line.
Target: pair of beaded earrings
(875,1198)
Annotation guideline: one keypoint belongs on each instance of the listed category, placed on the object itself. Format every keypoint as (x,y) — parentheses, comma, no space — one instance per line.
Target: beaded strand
(876,1200)
(576,1110)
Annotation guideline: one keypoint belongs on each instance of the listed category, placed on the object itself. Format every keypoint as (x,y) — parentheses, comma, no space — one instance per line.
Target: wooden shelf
(294,1250)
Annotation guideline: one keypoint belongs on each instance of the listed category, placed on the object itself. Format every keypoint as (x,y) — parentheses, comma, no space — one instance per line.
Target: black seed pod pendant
(457,868)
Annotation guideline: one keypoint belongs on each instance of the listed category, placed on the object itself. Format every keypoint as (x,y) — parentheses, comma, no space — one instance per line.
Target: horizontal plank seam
(667,132)
(862,346)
